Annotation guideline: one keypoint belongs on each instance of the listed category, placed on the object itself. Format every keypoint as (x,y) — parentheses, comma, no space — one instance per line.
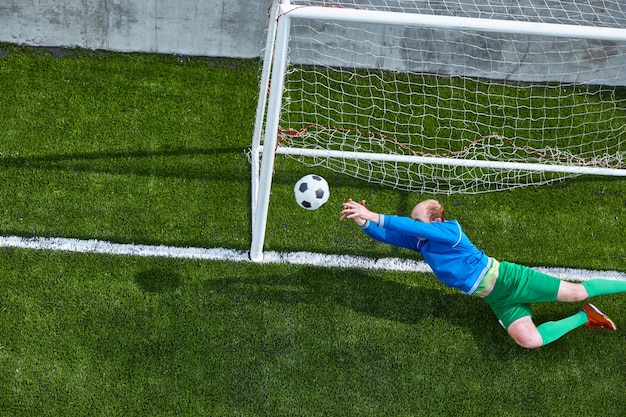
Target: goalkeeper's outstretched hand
(357,212)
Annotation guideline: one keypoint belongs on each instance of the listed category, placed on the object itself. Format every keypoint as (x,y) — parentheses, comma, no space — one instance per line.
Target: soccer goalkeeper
(507,288)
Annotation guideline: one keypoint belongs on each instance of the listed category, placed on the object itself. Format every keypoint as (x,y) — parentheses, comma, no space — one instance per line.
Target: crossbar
(453,22)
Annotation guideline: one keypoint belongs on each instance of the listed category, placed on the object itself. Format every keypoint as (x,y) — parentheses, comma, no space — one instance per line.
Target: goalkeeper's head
(429,211)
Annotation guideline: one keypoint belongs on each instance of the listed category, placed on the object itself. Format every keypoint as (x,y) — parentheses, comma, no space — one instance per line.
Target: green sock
(599,286)
(553,330)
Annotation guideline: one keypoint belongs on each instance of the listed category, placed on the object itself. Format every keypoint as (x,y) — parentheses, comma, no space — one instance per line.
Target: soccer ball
(311,192)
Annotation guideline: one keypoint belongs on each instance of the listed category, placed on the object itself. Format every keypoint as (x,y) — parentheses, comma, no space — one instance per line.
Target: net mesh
(456,95)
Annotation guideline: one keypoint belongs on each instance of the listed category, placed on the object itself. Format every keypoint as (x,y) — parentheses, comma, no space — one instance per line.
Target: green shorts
(516,287)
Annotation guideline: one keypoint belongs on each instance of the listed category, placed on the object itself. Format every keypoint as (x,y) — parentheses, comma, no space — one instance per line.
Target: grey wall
(231,28)
(236,28)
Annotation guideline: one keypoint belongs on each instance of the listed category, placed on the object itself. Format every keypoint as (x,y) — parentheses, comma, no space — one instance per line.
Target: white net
(477,108)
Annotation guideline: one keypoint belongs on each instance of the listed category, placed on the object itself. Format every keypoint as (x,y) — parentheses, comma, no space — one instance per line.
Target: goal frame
(266,131)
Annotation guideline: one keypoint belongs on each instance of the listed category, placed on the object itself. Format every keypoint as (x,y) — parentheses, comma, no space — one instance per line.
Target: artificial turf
(151,149)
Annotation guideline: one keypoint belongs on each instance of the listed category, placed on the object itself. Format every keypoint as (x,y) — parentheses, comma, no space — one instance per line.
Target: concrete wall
(236,28)
(231,28)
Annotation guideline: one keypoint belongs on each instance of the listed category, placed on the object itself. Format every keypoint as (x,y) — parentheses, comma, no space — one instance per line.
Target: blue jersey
(445,248)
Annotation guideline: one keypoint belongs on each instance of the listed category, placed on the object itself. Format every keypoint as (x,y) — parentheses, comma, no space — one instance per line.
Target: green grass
(96,335)
(152,150)
(445,114)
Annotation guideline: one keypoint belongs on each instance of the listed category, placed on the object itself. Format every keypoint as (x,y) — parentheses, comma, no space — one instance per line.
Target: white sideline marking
(295,258)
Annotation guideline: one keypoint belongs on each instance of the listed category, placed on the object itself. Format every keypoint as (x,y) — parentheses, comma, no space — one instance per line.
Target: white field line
(294,258)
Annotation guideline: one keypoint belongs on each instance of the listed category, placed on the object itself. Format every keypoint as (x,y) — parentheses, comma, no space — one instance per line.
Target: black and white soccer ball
(311,192)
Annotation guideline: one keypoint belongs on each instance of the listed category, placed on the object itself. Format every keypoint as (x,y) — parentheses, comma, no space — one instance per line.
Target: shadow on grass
(371,294)
(158,280)
(185,163)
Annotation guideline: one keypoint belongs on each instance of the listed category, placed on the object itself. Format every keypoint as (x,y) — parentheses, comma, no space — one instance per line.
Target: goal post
(435,102)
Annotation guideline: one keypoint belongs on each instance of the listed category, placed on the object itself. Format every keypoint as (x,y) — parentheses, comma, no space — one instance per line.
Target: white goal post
(435,101)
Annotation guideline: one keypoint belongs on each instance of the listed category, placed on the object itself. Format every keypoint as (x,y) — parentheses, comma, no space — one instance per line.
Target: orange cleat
(597,318)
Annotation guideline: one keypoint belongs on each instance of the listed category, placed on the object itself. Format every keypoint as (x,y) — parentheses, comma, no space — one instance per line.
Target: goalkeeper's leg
(526,334)
(571,292)
(599,286)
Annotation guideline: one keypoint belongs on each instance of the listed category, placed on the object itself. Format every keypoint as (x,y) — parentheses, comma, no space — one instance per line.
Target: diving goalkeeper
(507,288)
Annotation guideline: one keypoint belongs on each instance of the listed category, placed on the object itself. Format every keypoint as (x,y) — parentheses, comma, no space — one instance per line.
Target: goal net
(444,97)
